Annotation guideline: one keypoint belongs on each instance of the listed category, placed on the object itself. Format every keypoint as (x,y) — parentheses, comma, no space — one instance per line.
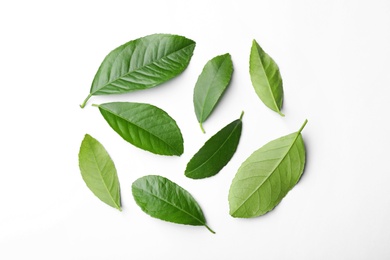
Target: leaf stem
(212,231)
(242,114)
(85,101)
(280,113)
(201,127)
(300,129)
(95,105)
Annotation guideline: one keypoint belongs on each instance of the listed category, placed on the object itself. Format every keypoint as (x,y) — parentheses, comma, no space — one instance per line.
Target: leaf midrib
(173,205)
(101,176)
(132,123)
(140,68)
(272,172)
(231,133)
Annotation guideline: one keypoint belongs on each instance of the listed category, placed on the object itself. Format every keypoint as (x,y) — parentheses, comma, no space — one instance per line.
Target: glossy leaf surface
(142,63)
(211,85)
(98,172)
(266,78)
(216,152)
(163,199)
(145,126)
(265,178)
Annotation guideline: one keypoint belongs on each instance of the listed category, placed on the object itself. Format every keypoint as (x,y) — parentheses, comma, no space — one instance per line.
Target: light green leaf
(145,126)
(163,199)
(216,152)
(211,85)
(98,172)
(142,63)
(265,178)
(266,78)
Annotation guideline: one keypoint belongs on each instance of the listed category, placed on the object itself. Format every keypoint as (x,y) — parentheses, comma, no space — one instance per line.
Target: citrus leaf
(98,172)
(142,63)
(266,177)
(211,85)
(145,126)
(266,78)
(163,199)
(216,152)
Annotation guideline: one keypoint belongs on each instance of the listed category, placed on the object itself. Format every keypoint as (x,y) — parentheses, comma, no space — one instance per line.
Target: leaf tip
(281,114)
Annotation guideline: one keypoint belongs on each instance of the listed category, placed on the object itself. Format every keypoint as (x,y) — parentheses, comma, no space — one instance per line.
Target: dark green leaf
(98,172)
(266,78)
(145,126)
(266,177)
(211,85)
(142,63)
(164,199)
(216,152)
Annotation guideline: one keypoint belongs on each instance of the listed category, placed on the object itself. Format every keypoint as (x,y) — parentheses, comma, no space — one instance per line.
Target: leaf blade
(267,175)
(216,152)
(266,78)
(161,198)
(211,85)
(145,126)
(142,63)
(98,172)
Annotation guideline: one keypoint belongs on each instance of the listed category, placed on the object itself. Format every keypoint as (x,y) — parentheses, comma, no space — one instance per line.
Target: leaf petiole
(242,114)
(303,126)
(85,101)
(212,231)
(201,127)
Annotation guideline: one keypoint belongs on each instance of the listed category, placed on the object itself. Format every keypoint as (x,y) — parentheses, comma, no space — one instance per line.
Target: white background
(334,58)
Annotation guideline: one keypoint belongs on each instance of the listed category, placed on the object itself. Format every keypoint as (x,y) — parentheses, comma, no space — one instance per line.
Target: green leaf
(163,199)
(211,85)
(142,63)
(266,177)
(98,172)
(145,126)
(216,152)
(266,78)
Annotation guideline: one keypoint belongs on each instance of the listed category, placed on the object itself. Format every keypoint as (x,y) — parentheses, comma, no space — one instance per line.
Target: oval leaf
(265,178)
(145,126)
(216,152)
(266,78)
(163,199)
(142,63)
(98,172)
(211,84)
